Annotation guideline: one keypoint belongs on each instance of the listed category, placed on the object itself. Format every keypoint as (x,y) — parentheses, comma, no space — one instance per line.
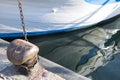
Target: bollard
(23,55)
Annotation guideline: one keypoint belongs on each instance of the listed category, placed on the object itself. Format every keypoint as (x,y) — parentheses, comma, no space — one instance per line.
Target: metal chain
(22,20)
(3,77)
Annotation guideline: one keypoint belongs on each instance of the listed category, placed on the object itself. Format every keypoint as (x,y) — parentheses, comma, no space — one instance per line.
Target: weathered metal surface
(22,52)
(8,70)
(15,71)
(3,58)
(11,72)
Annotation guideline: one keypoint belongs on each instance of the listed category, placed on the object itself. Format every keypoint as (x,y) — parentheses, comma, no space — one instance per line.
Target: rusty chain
(3,77)
(22,20)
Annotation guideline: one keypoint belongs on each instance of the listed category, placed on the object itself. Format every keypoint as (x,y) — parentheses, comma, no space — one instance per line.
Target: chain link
(3,77)
(22,20)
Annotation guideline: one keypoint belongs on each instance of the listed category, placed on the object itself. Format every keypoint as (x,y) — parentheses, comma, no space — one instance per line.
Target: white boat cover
(51,16)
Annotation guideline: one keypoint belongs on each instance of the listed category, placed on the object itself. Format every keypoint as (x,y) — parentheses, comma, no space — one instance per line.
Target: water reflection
(109,71)
(84,59)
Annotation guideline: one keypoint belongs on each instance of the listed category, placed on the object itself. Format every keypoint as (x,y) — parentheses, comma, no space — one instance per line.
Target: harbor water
(92,52)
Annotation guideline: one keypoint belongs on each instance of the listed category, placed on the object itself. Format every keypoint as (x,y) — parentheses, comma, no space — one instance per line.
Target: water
(109,69)
(92,52)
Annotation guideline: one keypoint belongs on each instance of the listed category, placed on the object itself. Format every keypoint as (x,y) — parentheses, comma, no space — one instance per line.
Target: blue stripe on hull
(9,35)
(101,2)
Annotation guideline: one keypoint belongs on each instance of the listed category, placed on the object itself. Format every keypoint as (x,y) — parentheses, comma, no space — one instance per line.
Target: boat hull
(46,17)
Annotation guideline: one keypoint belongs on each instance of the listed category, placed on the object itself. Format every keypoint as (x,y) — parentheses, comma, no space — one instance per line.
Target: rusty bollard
(24,55)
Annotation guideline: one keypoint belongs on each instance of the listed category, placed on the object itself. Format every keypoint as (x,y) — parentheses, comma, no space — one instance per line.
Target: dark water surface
(92,52)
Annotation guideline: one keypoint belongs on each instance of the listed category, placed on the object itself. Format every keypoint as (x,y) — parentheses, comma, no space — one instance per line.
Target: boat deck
(48,65)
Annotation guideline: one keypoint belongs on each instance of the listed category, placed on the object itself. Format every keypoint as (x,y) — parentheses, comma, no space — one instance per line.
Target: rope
(22,20)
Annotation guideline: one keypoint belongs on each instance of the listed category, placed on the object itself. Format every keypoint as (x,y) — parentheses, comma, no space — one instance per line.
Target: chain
(5,77)
(22,20)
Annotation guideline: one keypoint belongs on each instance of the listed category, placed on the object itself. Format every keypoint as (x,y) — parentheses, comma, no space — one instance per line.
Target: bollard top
(20,51)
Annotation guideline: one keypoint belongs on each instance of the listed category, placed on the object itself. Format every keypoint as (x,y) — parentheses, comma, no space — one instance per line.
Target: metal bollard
(24,55)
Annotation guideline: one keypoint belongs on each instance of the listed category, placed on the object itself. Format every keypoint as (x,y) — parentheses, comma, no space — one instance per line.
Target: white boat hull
(51,16)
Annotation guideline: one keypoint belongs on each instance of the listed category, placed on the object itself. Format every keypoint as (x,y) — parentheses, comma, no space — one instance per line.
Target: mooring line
(22,20)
